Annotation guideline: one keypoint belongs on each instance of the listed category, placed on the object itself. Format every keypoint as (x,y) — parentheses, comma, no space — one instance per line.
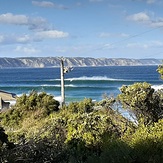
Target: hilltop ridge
(38,62)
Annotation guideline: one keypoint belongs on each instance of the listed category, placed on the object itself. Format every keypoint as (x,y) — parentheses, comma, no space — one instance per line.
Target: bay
(82,82)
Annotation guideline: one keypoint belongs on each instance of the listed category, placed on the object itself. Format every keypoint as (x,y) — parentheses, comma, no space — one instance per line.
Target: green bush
(142,101)
(84,106)
(160,70)
(147,143)
(29,107)
(84,131)
(35,101)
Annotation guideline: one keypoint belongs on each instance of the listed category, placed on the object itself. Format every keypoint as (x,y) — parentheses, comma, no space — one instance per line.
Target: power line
(132,36)
(158,53)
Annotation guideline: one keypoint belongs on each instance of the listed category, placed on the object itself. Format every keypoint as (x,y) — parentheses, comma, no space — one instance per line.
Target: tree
(143,101)
(37,104)
(160,70)
(35,101)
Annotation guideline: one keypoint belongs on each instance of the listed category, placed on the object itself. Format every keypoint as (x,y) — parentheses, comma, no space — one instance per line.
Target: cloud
(148,1)
(107,46)
(151,1)
(22,20)
(35,24)
(96,0)
(139,17)
(156,43)
(23,39)
(1,38)
(43,3)
(26,50)
(37,37)
(147,19)
(147,45)
(48,4)
(51,34)
(137,45)
(78,4)
(106,35)
(9,18)
(14,39)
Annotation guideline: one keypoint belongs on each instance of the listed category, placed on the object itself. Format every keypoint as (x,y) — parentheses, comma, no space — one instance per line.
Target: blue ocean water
(82,82)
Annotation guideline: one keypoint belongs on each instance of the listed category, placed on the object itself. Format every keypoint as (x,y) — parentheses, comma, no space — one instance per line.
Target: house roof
(7,96)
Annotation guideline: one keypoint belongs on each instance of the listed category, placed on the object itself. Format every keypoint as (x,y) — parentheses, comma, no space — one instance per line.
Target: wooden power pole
(64,70)
(62,83)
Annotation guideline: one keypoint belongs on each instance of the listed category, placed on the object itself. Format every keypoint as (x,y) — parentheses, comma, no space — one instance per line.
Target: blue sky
(81,28)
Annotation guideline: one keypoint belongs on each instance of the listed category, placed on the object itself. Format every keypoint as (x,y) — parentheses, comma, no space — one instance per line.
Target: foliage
(160,70)
(35,101)
(142,101)
(35,152)
(107,102)
(37,105)
(84,106)
(85,131)
(78,129)
(147,143)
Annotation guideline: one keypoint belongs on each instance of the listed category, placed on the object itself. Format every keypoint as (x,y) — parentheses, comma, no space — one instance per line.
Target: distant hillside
(34,62)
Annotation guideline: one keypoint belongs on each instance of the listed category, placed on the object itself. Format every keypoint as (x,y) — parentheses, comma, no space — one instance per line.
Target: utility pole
(62,83)
(64,70)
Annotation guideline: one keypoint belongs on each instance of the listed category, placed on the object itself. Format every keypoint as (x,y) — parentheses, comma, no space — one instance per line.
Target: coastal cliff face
(35,62)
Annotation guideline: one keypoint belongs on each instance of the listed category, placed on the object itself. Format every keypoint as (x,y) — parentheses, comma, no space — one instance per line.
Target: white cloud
(35,24)
(157,22)
(14,39)
(1,38)
(107,46)
(78,4)
(151,1)
(124,35)
(106,35)
(43,3)
(32,23)
(37,37)
(148,1)
(146,18)
(95,0)
(9,18)
(147,45)
(114,6)
(51,34)
(137,45)
(48,4)
(139,17)
(26,50)
(60,50)
(157,43)
(23,39)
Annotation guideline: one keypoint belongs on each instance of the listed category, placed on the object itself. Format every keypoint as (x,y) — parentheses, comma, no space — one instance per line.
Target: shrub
(142,101)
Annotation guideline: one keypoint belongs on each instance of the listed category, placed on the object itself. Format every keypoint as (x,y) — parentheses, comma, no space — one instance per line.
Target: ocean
(82,82)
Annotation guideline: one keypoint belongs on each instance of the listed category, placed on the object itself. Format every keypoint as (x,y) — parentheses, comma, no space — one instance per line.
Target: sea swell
(80,83)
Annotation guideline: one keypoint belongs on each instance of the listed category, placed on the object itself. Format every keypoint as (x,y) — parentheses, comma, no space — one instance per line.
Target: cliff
(34,62)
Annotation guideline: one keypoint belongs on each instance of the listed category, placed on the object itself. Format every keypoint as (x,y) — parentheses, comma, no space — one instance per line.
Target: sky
(81,28)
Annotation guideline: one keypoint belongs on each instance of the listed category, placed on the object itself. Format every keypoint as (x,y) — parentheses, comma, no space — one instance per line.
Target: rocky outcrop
(34,62)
